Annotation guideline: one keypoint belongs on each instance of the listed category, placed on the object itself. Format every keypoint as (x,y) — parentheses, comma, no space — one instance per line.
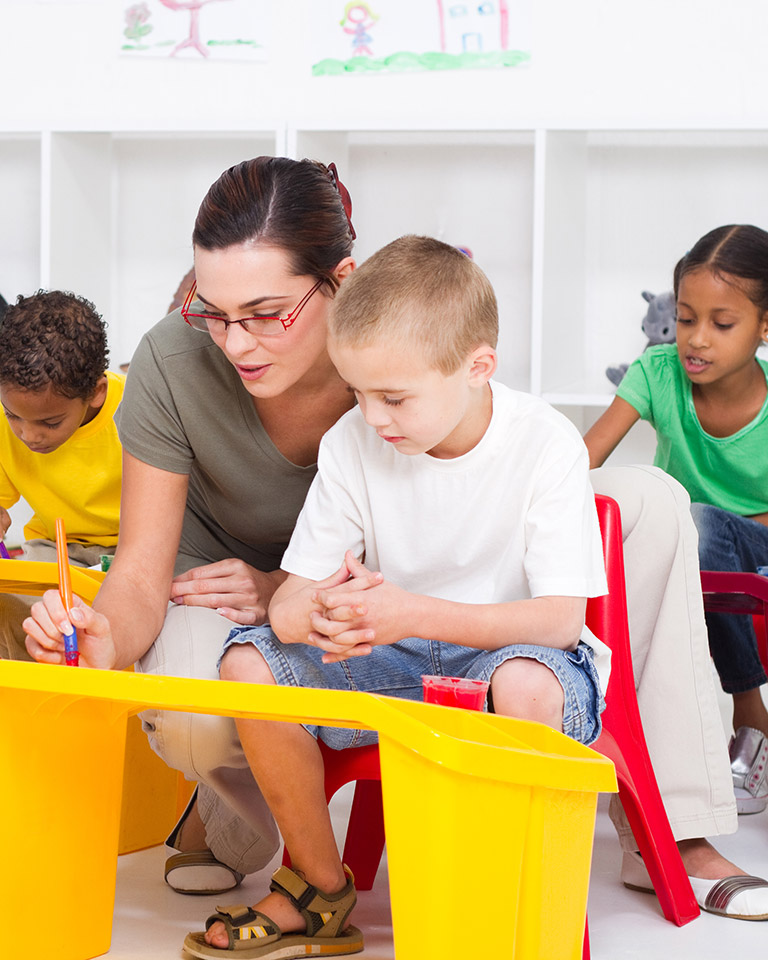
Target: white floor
(151,921)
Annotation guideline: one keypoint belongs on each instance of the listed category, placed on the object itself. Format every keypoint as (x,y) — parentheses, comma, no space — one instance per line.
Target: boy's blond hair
(419,293)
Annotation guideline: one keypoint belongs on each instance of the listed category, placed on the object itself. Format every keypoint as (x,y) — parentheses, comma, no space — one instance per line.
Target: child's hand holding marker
(49,623)
(5,522)
(71,653)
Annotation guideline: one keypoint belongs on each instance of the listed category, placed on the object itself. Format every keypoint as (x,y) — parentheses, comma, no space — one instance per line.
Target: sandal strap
(243,923)
(724,891)
(324,913)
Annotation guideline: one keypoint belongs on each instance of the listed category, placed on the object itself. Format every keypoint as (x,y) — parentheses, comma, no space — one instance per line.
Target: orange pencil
(71,653)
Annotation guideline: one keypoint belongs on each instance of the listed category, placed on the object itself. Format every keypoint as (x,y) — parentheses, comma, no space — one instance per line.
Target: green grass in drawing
(234,43)
(398,62)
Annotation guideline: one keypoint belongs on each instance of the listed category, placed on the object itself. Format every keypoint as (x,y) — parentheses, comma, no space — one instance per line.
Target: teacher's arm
(134,595)
(130,608)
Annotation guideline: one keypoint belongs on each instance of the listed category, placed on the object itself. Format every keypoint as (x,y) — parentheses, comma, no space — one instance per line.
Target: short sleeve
(636,390)
(8,492)
(147,420)
(564,554)
(330,522)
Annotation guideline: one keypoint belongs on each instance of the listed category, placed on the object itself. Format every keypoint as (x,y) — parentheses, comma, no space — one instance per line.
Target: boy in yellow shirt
(59,447)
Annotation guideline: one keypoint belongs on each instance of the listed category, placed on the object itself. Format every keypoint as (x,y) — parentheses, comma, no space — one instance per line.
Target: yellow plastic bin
(154,796)
(489,821)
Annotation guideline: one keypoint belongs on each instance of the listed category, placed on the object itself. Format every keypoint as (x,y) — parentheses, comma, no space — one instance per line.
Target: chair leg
(645,812)
(365,833)
(758,622)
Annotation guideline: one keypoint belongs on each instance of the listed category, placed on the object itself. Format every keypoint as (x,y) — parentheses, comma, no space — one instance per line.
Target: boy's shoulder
(528,418)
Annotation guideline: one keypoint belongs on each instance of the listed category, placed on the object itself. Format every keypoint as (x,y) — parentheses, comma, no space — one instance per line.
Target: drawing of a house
(473,26)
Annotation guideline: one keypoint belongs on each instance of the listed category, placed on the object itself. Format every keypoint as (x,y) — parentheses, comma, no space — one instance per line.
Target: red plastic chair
(364,843)
(747,593)
(622,741)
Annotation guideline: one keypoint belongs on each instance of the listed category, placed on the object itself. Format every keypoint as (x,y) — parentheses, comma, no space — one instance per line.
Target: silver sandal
(748,751)
(714,896)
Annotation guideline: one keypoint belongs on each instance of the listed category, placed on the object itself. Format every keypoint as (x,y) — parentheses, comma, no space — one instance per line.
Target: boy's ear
(96,401)
(343,268)
(482,364)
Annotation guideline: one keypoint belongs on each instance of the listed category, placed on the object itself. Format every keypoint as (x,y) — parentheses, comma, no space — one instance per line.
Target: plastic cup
(455,692)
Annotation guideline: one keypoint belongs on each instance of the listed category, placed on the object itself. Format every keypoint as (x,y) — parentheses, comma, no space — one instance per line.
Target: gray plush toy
(658,325)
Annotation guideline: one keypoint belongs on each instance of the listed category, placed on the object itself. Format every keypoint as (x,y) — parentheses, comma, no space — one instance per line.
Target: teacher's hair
(294,205)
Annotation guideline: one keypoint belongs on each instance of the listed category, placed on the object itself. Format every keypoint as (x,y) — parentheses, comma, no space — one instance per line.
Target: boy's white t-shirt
(512,519)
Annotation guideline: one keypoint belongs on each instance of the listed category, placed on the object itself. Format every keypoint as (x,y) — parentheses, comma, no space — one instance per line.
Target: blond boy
(471,507)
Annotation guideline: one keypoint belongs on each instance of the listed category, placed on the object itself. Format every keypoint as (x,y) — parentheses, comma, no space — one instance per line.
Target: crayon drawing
(358,20)
(394,35)
(196,29)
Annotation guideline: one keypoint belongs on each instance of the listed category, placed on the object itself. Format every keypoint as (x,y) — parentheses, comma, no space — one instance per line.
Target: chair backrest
(607,615)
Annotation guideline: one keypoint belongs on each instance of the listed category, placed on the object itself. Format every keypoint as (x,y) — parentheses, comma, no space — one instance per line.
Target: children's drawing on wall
(196,29)
(419,35)
(358,20)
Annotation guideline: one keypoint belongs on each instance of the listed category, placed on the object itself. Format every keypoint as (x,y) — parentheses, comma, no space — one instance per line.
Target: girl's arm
(604,435)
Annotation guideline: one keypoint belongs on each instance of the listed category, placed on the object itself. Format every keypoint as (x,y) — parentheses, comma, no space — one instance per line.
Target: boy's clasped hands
(352,611)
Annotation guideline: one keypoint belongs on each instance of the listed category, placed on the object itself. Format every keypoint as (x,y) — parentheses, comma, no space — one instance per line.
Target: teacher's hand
(230,587)
(49,621)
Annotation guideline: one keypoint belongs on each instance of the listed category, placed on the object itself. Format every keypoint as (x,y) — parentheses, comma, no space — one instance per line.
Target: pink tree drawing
(194,7)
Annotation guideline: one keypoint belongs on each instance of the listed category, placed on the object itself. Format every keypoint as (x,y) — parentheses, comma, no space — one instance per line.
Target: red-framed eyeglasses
(266,326)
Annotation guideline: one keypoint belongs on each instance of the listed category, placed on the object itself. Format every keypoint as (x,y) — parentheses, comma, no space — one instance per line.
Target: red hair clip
(342,191)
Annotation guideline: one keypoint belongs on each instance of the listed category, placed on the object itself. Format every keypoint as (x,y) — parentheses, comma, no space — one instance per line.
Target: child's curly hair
(53,337)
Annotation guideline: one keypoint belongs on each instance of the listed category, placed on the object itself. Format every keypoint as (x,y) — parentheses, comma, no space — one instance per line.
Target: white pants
(670,654)
(675,688)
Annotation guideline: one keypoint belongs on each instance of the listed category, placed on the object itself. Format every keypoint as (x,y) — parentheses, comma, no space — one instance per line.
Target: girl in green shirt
(707,399)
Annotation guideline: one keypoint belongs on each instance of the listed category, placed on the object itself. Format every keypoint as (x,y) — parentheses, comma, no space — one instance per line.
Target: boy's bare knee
(528,690)
(243,662)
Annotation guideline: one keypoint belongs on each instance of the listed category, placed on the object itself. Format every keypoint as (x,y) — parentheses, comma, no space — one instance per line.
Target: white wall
(596,63)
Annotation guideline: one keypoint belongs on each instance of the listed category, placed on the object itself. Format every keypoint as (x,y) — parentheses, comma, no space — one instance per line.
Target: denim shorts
(396,671)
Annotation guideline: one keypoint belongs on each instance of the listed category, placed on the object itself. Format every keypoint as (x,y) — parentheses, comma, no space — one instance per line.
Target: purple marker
(4,551)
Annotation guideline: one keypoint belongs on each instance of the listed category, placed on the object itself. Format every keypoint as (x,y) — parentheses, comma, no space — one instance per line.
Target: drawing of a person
(358,19)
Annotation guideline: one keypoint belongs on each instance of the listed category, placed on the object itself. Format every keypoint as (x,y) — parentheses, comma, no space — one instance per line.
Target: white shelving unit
(577,180)
(570,225)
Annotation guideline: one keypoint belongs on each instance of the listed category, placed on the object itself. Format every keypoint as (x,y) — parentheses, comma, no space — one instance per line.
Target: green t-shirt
(185,410)
(727,472)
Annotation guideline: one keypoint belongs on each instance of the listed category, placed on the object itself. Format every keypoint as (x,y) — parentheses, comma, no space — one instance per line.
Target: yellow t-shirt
(80,481)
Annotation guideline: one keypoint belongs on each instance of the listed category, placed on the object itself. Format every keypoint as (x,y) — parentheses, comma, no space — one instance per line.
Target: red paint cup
(455,692)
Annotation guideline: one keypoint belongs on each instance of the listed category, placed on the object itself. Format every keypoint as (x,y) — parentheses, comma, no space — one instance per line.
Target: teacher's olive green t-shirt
(186,411)
(726,472)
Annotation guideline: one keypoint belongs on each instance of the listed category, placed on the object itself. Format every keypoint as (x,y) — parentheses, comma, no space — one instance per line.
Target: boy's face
(413,406)
(43,419)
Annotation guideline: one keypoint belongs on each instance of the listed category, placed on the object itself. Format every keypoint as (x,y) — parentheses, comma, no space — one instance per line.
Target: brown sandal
(254,936)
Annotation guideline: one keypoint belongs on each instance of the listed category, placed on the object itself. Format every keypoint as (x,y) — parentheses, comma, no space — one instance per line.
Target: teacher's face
(256,281)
